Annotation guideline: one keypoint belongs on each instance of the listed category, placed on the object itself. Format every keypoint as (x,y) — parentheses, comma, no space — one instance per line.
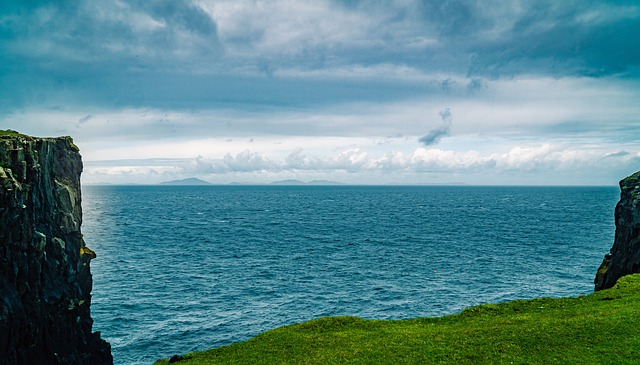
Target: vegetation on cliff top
(11,133)
(600,328)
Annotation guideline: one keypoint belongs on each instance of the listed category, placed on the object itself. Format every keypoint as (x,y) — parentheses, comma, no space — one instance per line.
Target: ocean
(187,268)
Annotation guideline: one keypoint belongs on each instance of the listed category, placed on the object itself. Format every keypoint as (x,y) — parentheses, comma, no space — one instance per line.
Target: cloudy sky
(442,91)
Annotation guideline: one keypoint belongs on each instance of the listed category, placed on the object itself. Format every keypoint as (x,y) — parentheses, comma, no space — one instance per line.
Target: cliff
(624,257)
(45,280)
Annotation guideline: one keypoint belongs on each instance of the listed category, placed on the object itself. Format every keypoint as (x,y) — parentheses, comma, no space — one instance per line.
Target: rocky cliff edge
(45,280)
(624,257)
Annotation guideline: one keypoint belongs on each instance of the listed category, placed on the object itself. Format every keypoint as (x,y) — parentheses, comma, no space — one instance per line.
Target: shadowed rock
(45,280)
(624,258)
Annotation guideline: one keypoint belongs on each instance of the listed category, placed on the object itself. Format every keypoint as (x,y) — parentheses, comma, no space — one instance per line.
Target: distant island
(191,181)
(312,182)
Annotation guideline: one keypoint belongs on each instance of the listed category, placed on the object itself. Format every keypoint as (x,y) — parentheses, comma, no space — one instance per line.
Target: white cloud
(134,172)
(274,29)
(383,71)
(531,164)
(243,83)
(617,154)
(521,125)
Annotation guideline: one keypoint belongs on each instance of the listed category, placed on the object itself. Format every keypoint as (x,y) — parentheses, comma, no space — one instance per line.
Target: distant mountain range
(191,181)
(312,182)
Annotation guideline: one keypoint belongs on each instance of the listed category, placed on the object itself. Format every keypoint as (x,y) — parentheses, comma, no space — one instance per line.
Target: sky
(528,92)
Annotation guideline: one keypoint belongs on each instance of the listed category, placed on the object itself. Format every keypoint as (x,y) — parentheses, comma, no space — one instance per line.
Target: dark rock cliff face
(45,282)
(624,258)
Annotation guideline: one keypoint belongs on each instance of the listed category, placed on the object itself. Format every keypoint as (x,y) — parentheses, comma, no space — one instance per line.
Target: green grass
(601,328)
(11,133)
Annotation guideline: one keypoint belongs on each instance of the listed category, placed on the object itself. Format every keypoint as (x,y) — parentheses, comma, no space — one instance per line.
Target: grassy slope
(10,133)
(601,328)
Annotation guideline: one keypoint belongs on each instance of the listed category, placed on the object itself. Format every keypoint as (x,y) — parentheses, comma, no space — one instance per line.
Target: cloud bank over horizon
(262,90)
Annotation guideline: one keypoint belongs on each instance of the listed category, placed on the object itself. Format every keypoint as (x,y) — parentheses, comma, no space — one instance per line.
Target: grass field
(10,133)
(601,328)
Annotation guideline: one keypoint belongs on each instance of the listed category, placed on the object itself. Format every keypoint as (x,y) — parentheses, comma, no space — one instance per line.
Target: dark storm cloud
(587,38)
(474,86)
(435,135)
(566,38)
(150,53)
(457,18)
(86,27)
(179,13)
(90,51)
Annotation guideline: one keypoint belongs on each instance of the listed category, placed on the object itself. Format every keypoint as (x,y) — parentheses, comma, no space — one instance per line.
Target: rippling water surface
(181,269)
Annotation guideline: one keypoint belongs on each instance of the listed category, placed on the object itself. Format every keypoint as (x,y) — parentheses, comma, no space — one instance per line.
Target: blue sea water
(182,269)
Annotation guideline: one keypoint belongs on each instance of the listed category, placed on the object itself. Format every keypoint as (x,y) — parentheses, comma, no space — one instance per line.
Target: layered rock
(624,257)
(45,280)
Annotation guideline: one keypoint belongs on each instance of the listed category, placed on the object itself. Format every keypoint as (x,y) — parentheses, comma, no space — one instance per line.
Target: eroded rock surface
(45,281)
(624,258)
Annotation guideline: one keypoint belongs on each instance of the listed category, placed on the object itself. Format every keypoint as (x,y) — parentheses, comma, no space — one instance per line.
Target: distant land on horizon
(192,181)
(312,182)
(195,181)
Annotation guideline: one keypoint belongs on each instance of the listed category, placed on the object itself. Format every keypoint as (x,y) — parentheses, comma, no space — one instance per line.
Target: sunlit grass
(601,328)
(10,133)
